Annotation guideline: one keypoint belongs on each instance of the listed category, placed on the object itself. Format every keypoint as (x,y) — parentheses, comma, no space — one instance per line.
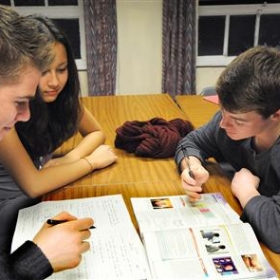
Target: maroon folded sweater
(155,138)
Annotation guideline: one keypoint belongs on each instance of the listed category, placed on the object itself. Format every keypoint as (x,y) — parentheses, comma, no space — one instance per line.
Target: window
(68,14)
(225,31)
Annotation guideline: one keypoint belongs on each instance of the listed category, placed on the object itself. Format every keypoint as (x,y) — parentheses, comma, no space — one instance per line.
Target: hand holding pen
(193,187)
(63,244)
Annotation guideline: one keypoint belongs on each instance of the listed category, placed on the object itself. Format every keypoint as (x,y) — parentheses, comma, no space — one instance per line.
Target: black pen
(54,222)
(187,161)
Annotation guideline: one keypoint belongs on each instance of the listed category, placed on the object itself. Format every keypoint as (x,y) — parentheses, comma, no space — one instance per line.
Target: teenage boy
(244,133)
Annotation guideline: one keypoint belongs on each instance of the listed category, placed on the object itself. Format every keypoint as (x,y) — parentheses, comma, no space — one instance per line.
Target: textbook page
(116,249)
(171,212)
(213,252)
(200,240)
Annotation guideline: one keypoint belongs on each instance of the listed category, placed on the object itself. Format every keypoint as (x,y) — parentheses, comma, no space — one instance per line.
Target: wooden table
(132,176)
(112,112)
(198,110)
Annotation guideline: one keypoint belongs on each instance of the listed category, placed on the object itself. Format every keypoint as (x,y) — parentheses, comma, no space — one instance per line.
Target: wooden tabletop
(133,176)
(112,112)
(198,110)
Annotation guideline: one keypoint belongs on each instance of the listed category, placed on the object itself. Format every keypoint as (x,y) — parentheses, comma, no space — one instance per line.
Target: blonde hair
(21,45)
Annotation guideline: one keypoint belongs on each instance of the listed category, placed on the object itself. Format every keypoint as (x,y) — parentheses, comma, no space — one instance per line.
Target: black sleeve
(27,262)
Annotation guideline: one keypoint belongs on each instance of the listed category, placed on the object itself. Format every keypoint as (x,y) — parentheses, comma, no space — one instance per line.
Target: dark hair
(251,82)
(52,123)
(21,44)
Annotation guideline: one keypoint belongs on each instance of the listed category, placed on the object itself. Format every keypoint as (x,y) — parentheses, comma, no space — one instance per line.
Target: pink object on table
(212,98)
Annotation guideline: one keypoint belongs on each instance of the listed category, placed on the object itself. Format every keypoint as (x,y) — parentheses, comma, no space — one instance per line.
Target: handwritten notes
(116,250)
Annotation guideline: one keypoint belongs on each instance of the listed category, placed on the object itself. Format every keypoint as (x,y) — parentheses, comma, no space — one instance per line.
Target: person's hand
(102,156)
(64,244)
(193,186)
(244,186)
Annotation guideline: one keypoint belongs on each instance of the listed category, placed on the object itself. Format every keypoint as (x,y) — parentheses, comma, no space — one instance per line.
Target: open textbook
(182,240)
(116,249)
(201,240)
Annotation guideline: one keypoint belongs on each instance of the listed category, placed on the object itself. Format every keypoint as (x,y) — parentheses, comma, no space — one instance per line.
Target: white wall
(207,76)
(139,46)
(83,82)
(139,58)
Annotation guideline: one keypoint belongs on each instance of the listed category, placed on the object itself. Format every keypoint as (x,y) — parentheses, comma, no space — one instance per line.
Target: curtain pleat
(101,45)
(179,47)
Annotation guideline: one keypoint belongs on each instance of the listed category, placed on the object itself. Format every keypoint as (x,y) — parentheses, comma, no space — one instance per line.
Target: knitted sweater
(262,212)
(26,263)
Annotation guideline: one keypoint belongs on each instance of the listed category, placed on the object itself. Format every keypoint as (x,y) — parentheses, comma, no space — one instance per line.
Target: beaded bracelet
(90,164)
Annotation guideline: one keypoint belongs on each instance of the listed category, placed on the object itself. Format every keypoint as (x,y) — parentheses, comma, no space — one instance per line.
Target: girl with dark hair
(56,115)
